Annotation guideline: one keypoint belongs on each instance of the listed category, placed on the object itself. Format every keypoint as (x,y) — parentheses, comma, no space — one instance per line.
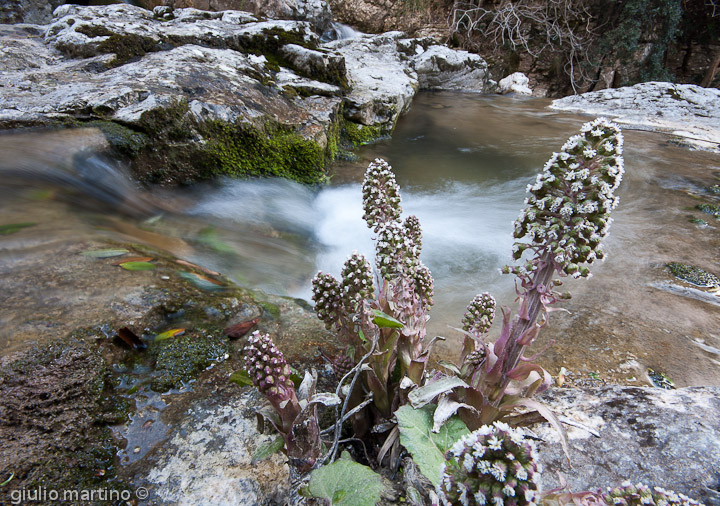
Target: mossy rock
(243,150)
(127,47)
(711,209)
(124,140)
(694,275)
(180,359)
(359,135)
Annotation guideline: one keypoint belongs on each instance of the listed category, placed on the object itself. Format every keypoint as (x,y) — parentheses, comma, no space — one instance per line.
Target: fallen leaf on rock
(132,259)
(240,329)
(137,266)
(169,333)
(131,339)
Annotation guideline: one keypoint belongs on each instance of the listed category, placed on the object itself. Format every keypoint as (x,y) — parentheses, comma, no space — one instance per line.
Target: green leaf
(209,237)
(241,377)
(169,333)
(427,448)
(14,227)
(346,483)
(137,266)
(267,449)
(105,253)
(383,320)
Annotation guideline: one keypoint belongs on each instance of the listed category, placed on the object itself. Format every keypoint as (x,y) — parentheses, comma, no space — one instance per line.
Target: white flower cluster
(492,466)
(397,251)
(638,495)
(357,282)
(479,315)
(381,195)
(568,211)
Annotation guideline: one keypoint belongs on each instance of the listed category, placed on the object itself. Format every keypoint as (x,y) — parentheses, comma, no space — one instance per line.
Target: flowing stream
(463,162)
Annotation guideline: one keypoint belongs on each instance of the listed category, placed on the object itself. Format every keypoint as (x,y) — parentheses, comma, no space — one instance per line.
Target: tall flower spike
(390,251)
(357,282)
(492,466)
(570,202)
(381,195)
(328,299)
(414,233)
(479,315)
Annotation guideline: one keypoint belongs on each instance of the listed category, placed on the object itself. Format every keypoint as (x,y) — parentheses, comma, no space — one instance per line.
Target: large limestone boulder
(385,71)
(663,438)
(202,93)
(690,112)
(28,11)
(316,12)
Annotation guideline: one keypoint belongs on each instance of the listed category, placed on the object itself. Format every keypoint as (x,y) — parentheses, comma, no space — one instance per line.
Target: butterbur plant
(641,495)
(566,218)
(293,416)
(382,315)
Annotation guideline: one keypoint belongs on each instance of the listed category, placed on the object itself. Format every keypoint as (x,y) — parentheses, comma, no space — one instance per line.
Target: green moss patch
(127,47)
(359,135)
(694,275)
(709,209)
(124,140)
(181,359)
(94,31)
(244,150)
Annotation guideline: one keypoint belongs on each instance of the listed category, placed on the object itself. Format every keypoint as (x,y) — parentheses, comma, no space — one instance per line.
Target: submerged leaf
(240,329)
(346,483)
(427,448)
(14,227)
(137,266)
(198,267)
(169,333)
(267,449)
(105,253)
(201,281)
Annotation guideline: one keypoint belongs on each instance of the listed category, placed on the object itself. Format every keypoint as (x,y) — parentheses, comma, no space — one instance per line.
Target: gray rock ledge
(687,111)
(665,438)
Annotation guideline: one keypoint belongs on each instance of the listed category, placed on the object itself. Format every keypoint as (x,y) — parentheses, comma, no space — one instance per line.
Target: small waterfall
(339,31)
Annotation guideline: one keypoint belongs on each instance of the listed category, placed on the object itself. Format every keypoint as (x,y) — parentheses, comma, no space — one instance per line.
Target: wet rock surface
(88,411)
(217,92)
(687,111)
(665,438)
(208,457)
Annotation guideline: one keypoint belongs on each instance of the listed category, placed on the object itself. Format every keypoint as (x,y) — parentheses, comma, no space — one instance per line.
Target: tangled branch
(529,28)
